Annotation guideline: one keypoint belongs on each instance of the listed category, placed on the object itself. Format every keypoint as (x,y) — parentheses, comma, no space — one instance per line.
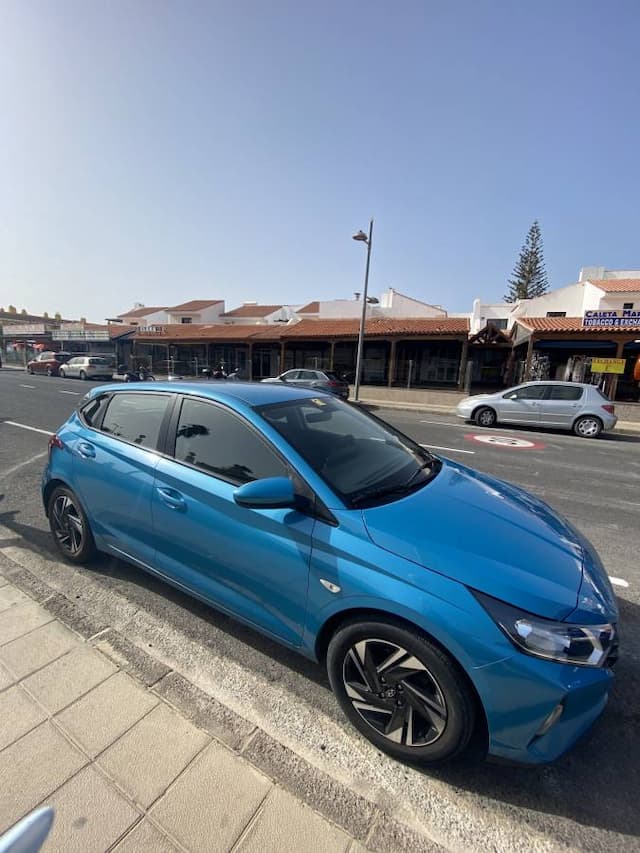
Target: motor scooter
(140,374)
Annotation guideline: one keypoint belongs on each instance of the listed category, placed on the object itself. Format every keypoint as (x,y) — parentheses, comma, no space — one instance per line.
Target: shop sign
(19,329)
(152,330)
(622,319)
(608,365)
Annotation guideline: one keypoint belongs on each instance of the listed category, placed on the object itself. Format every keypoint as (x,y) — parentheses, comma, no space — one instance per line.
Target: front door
(522,405)
(252,562)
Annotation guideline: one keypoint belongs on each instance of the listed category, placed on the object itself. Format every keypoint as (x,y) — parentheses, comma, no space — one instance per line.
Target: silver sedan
(561,405)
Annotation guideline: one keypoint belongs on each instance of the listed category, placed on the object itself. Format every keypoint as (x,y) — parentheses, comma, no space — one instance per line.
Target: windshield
(365,461)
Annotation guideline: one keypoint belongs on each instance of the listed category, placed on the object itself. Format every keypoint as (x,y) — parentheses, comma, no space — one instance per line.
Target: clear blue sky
(159,151)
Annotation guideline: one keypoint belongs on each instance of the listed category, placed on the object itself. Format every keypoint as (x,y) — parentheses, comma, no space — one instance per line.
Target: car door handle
(172,498)
(86,450)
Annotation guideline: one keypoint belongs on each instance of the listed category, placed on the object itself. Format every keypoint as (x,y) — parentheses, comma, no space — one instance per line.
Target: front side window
(136,418)
(565,392)
(529,392)
(363,460)
(216,441)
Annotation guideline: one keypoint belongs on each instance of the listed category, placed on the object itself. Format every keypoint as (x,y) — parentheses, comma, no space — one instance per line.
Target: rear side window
(565,392)
(91,412)
(216,441)
(136,418)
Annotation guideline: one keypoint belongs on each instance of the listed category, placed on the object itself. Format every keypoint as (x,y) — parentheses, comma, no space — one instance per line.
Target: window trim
(97,427)
(316,508)
(545,395)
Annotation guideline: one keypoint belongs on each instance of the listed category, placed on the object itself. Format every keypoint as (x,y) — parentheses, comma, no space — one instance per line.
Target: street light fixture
(361,237)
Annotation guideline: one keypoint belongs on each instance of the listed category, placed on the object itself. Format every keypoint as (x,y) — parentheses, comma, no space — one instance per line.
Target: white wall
(150,319)
(569,299)
(591,273)
(211,314)
(394,304)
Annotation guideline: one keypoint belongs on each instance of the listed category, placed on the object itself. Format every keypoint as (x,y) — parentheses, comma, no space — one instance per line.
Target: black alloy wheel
(401,691)
(70,526)
(485,416)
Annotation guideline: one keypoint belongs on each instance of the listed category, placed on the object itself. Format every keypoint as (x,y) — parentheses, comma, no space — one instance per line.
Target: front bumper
(519,694)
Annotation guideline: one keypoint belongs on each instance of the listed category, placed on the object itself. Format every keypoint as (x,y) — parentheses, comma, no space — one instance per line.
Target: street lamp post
(362,237)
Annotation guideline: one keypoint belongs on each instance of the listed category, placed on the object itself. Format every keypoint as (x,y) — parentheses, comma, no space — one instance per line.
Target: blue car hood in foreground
(489,535)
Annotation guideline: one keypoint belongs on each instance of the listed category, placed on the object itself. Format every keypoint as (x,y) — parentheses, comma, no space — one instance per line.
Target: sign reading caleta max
(625,318)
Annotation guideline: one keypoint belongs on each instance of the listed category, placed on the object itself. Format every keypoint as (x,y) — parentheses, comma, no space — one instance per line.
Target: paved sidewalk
(121,766)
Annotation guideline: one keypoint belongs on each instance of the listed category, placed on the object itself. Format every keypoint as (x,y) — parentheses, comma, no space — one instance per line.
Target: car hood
(489,535)
(477,398)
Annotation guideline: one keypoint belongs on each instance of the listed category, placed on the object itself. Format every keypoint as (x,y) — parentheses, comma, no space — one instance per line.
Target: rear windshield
(62,356)
(603,395)
(101,360)
(331,375)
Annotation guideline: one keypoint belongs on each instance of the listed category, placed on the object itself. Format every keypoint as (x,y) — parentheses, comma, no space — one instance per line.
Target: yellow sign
(608,365)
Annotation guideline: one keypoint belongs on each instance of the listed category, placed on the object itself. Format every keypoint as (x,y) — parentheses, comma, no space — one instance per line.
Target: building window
(556,313)
(627,306)
(499,323)
(185,319)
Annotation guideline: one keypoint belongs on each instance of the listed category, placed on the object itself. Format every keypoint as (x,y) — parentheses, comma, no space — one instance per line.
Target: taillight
(54,441)
(334,384)
(609,408)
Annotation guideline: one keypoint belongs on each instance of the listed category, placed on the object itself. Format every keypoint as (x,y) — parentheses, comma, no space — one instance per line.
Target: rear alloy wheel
(400,691)
(82,375)
(70,526)
(588,426)
(485,417)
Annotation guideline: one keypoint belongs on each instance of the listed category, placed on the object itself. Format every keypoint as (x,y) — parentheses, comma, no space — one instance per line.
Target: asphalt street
(588,800)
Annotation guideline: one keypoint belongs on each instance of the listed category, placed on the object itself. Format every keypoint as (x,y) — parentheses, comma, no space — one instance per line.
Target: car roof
(251,393)
(556,382)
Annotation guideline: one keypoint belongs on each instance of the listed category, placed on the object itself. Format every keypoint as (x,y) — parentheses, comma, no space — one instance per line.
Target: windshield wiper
(388,491)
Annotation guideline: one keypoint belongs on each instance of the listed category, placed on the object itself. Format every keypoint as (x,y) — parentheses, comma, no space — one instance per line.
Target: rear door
(252,562)
(522,405)
(114,461)
(561,406)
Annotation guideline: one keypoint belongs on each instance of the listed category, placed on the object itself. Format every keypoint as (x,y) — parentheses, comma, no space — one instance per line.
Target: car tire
(69,526)
(391,710)
(588,426)
(82,375)
(485,416)
(49,371)
(62,374)
(30,371)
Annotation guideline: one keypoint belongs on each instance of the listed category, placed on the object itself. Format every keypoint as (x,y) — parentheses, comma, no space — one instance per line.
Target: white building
(252,313)
(391,303)
(197,311)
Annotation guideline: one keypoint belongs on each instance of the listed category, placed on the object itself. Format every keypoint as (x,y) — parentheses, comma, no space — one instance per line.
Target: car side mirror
(269,493)
(512,397)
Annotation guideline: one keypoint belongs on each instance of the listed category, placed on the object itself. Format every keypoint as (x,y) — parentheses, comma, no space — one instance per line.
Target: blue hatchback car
(440,599)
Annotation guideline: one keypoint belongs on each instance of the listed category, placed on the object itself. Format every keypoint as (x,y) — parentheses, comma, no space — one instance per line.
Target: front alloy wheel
(402,692)
(69,526)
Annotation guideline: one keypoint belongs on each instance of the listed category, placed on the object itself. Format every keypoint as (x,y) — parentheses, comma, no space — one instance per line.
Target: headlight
(581,645)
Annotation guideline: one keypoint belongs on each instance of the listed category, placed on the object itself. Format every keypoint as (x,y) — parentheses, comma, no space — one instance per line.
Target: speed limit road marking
(505,441)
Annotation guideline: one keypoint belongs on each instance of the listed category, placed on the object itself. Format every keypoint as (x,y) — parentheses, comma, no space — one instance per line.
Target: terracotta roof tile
(141,312)
(568,324)
(311,308)
(617,285)
(378,326)
(195,305)
(252,311)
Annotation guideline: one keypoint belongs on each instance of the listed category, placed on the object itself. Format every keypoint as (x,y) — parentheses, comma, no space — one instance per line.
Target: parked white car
(88,367)
(562,405)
